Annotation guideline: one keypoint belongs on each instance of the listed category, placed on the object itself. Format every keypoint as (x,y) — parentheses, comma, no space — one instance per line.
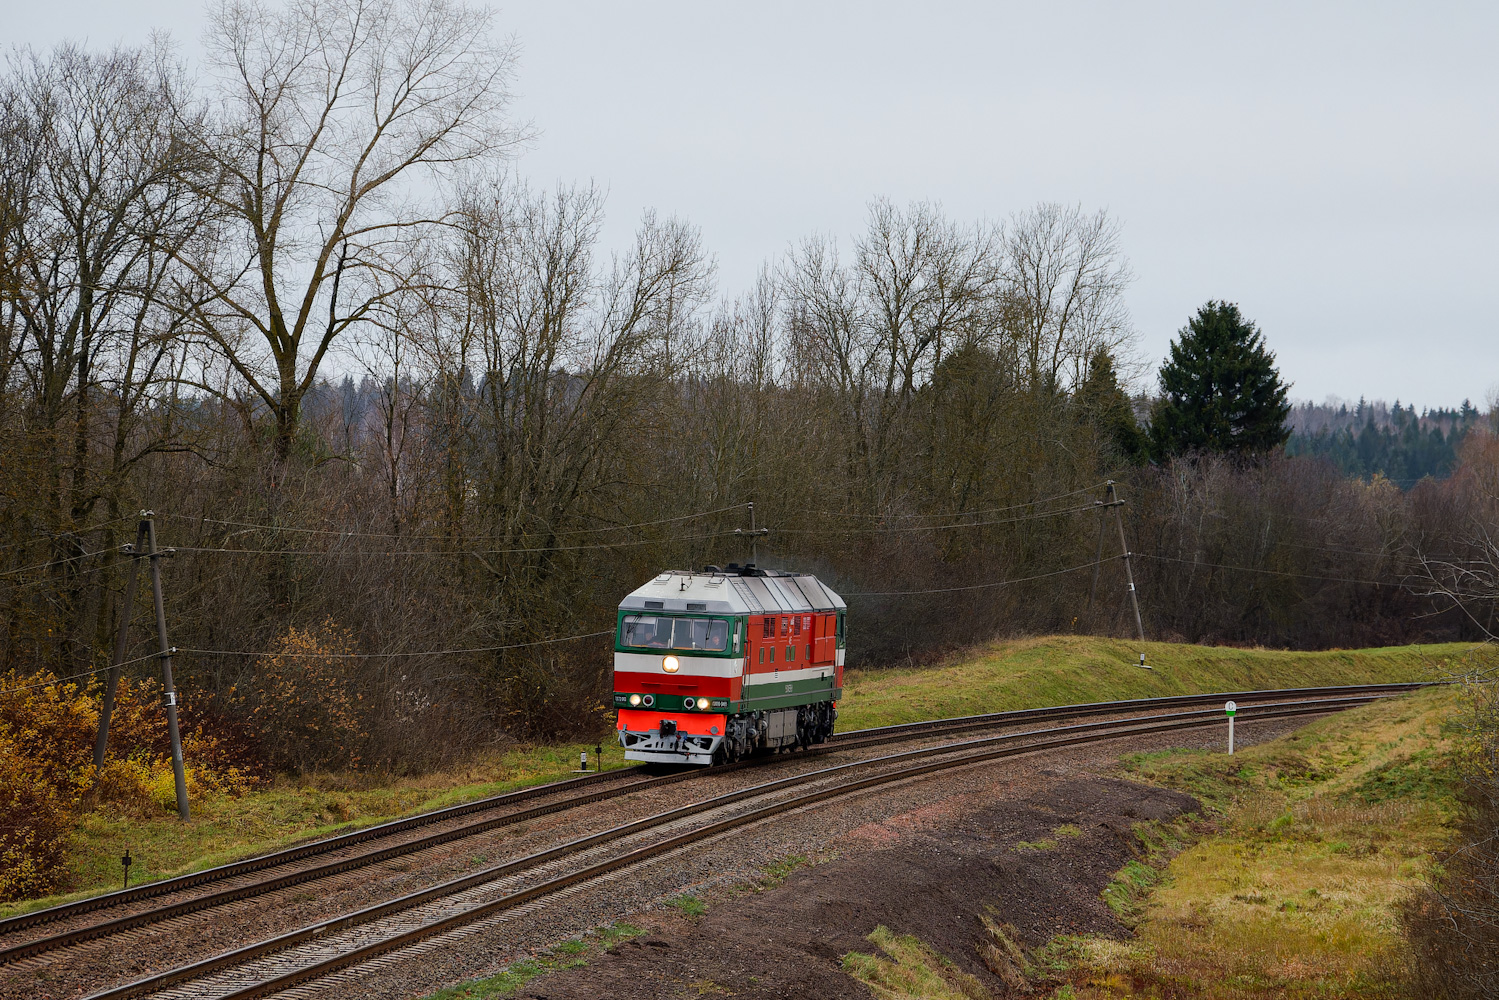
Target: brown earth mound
(932,873)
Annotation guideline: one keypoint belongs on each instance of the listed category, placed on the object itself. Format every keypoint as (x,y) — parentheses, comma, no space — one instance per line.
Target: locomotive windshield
(659,632)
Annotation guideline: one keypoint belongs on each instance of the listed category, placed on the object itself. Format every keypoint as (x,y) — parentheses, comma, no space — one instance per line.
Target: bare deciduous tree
(334,121)
(919,285)
(95,211)
(1065,275)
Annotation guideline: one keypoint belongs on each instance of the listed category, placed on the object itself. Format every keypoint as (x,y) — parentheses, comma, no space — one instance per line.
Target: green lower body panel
(761,695)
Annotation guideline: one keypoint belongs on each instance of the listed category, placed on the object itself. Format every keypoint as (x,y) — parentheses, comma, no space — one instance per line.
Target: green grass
(567,955)
(1062,670)
(286,812)
(779,870)
(1050,843)
(906,968)
(688,905)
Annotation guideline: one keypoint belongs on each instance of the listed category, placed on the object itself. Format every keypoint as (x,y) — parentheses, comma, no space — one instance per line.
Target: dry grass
(906,968)
(1322,834)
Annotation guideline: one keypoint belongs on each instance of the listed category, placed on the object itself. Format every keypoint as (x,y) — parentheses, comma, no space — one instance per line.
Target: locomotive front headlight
(634,701)
(671,664)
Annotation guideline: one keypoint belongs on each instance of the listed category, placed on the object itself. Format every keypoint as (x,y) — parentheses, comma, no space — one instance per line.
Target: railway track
(306,863)
(325,947)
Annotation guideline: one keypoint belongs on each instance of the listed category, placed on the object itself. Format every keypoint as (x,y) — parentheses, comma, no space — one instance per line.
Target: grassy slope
(1013,674)
(1320,835)
(289,811)
(1061,670)
(1292,891)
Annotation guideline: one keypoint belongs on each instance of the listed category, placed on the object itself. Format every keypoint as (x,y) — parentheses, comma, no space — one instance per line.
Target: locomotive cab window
(658,632)
(646,632)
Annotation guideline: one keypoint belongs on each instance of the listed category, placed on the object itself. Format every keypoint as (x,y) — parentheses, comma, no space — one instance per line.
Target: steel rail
(310,849)
(959,723)
(843,741)
(997,747)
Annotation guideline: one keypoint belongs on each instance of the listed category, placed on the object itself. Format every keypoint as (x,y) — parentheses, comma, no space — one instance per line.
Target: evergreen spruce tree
(1106,404)
(1220,390)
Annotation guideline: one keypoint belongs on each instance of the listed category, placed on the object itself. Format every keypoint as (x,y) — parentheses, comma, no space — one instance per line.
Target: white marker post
(1230,708)
(583,760)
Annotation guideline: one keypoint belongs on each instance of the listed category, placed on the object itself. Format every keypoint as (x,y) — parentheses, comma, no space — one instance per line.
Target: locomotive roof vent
(710,568)
(692,606)
(655,605)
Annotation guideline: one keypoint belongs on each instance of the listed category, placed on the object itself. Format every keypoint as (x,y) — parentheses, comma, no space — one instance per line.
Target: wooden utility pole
(127,612)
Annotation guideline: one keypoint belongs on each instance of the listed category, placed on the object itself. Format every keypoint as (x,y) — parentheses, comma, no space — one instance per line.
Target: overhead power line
(48,564)
(973,513)
(381,656)
(458,552)
(986,586)
(437,538)
(73,677)
(1267,572)
(49,536)
(936,527)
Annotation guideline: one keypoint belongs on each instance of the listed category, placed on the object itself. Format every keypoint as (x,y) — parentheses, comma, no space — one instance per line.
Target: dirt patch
(931,872)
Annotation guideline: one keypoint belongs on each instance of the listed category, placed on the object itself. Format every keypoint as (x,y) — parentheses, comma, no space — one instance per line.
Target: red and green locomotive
(710,667)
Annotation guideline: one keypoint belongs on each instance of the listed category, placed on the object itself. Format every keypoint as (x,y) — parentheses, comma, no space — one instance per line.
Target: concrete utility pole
(754,535)
(169,692)
(1129,573)
(136,552)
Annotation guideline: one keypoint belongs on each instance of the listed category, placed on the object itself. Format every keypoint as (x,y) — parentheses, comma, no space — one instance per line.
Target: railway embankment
(1295,889)
(1289,880)
(1062,670)
(1013,674)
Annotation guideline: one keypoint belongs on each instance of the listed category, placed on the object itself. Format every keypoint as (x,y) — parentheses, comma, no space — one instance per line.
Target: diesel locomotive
(714,666)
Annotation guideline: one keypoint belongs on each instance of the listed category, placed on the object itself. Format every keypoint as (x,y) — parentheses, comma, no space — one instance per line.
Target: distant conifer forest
(1377,439)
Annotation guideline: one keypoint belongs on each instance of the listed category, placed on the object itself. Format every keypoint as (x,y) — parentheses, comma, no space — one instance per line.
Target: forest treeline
(1375,439)
(412,432)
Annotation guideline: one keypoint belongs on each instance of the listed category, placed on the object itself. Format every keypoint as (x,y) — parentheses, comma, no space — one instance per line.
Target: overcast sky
(1330,167)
